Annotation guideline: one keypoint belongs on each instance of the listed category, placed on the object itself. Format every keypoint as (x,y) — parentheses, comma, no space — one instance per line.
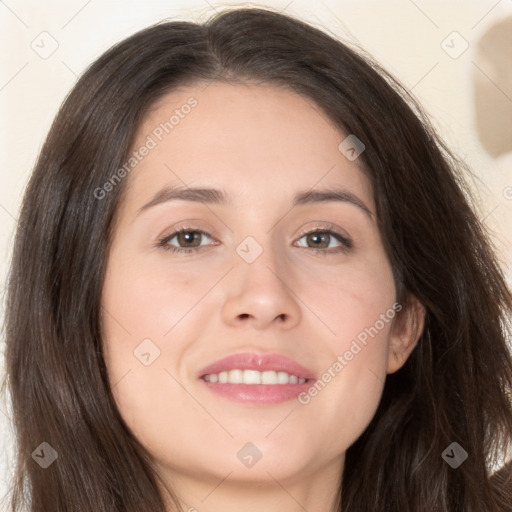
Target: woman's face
(264,280)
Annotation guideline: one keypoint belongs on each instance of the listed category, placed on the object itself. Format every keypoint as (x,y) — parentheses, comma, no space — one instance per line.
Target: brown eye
(189,237)
(322,239)
(188,240)
(319,240)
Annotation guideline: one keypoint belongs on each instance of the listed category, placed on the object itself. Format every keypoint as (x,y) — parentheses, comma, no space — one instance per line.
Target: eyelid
(164,239)
(330,229)
(188,225)
(325,227)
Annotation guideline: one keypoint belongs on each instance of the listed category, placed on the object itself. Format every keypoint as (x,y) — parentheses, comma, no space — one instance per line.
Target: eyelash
(347,244)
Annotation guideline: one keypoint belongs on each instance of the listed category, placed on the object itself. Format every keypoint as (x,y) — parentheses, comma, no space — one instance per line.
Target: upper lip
(260,362)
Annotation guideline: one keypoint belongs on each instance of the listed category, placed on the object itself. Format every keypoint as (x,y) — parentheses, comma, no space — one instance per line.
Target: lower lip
(258,393)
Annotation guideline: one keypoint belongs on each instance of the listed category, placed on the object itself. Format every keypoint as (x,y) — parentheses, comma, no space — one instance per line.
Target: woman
(247,273)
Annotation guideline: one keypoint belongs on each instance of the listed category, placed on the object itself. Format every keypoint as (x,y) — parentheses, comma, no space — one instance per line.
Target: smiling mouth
(257,379)
(254,377)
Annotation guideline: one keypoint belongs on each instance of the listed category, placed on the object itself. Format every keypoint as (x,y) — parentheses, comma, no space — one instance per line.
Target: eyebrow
(218,197)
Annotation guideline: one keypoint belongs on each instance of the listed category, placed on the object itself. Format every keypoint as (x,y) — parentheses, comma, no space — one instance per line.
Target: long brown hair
(454,388)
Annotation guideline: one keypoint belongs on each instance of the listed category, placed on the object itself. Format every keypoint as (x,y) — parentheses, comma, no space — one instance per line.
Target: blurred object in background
(493,88)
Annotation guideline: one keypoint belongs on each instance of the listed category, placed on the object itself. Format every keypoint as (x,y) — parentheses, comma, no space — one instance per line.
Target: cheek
(359,308)
(152,301)
(142,300)
(140,308)
(144,309)
(352,298)
(351,379)
(341,310)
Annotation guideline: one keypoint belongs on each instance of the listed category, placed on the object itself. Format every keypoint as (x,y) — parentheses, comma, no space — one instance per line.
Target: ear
(405,333)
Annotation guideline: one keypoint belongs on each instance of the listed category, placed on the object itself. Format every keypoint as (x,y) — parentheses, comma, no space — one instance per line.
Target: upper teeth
(254,377)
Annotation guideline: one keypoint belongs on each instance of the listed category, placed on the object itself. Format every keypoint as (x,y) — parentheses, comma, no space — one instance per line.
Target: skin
(261,145)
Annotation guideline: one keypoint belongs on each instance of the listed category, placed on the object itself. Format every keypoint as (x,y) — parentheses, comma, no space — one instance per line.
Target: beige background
(414,40)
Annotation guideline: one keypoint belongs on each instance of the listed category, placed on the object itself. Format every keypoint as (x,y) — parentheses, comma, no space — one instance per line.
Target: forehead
(261,140)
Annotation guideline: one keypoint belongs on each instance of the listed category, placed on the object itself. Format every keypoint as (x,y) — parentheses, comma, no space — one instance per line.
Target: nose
(261,293)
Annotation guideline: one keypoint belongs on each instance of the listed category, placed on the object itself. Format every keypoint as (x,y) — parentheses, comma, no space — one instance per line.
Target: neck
(314,491)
